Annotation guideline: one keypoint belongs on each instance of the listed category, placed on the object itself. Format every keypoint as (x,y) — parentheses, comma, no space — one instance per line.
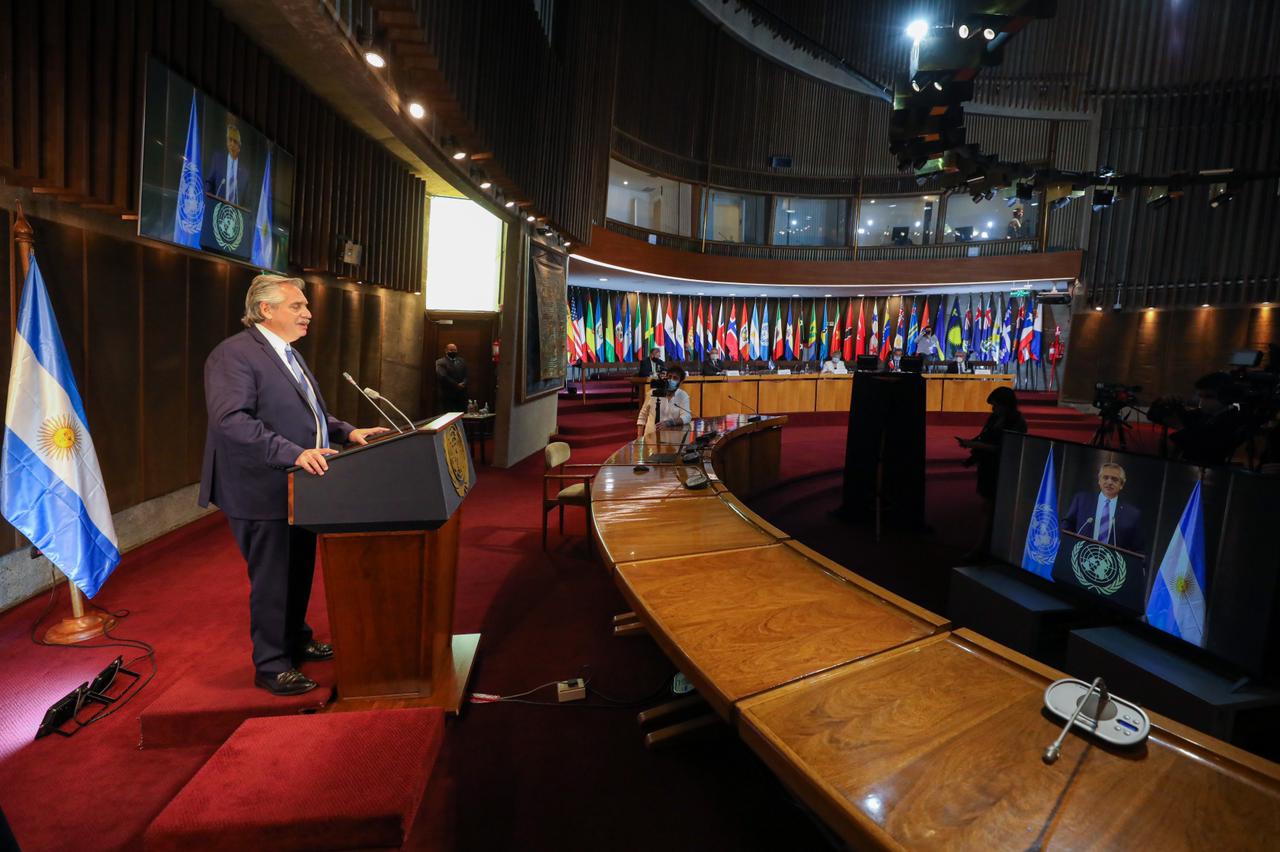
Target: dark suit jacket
(713,368)
(1126,525)
(259,423)
(646,367)
(216,178)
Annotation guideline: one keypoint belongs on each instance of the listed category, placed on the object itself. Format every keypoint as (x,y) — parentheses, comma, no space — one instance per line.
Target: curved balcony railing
(983,248)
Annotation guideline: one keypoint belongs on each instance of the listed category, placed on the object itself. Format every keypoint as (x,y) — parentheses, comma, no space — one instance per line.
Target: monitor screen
(1182,549)
(210,181)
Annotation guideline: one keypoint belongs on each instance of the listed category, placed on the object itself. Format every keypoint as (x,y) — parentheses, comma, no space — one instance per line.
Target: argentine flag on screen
(263,250)
(50,484)
(1176,604)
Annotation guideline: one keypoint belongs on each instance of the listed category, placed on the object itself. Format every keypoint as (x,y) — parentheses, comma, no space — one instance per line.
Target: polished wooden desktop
(897,732)
(713,396)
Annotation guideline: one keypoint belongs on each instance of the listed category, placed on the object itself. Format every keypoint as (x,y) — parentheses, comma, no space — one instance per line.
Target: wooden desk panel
(778,394)
(834,393)
(662,481)
(716,401)
(933,394)
(641,451)
(969,393)
(937,745)
(631,530)
(740,622)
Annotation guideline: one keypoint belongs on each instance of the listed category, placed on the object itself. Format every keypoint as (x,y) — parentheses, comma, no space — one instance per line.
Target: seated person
(714,365)
(960,363)
(674,405)
(1103,516)
(653,365)
(895,358)
(835,364)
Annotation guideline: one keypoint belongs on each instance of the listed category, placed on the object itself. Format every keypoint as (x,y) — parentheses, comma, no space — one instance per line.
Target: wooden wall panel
(207,309)
(346,404)
(370,358)
(165,395)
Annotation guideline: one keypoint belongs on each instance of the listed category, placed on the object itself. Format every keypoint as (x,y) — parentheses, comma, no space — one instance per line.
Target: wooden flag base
(69,631)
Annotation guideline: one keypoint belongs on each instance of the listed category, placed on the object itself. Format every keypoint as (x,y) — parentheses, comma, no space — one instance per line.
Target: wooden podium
(388,515)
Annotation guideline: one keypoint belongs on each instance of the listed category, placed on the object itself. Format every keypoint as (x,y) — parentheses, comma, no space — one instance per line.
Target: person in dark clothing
(984,452)
(653,366)
(714,365)
(1209,434)
(451,381)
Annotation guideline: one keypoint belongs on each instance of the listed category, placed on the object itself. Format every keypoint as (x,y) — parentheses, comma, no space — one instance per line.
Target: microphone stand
(347,376)
(1051,753)
(373,394)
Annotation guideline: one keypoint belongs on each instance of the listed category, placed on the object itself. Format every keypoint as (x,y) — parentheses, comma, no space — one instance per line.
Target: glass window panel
(898,220)
(647,201)
(990,219)
(734,217)
(810,221)
(464,256)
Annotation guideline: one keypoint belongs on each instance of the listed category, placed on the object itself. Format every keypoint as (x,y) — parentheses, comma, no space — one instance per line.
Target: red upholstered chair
(570,489)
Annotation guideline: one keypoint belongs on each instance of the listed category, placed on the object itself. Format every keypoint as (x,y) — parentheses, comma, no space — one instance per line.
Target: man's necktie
(1104,523)
(321,427)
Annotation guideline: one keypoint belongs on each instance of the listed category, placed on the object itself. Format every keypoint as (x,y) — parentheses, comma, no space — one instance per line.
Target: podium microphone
(1051,753)
(355,385)
(373,394)
(754,414)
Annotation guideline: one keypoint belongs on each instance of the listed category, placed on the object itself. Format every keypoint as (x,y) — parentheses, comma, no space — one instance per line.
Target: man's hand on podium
(312,461)
(362,436)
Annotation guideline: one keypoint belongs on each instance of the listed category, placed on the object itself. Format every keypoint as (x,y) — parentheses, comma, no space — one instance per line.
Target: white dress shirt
(834,366)
(676,411)
(281,348)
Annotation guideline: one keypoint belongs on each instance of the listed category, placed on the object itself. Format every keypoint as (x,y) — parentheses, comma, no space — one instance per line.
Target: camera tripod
(1113,426)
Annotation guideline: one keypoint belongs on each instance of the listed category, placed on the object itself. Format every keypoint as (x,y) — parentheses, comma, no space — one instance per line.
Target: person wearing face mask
(672,406)
(451,381)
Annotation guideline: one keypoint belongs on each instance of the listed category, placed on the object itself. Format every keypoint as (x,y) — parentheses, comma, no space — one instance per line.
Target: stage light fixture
(1025,191)
(372,53)
(1103,198)
(1161,196)
(62,711)
(918,29)
(417,110)
(1220,194)
(1059,203)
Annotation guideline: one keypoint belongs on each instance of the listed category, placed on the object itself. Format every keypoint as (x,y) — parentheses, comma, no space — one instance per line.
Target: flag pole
(80,627)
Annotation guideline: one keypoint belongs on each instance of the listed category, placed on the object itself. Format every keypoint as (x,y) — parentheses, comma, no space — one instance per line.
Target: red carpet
(330,781)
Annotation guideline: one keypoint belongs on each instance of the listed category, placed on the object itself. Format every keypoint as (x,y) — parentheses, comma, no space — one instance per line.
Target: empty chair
(562,488)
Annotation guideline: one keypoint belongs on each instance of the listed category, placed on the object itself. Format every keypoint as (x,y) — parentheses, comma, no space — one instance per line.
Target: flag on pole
(1176,605)
(913,332)
(722,340)
(571,331)
(263,242)
(627,348)
(924,318)
(700,335)
(1037,330)
(659,334)
(966,336)
(764,331)
(900,331)
(873,342)
(788,350)
(580,323)
(188,213)
(859,347)
(731,335)
(610,340)
(886,333)
(779,342)
(648,342)
(850,345)
(837,344)
(1041,549)
(601,346)
(992,321)
(1006,333)
(954,340)
(590,336)
(812,342)
(669,346)
(1024,335)
(678,338)
(50,484)
(824,337)
(753,338)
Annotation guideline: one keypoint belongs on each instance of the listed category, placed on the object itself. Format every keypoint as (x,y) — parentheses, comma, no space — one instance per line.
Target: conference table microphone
(1051,753)
(754,414)
(373,394)
(356,385)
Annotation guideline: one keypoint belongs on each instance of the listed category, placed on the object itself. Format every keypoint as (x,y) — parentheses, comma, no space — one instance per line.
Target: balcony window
(897,220)
(647,201)
(992,219)
(734,217)
(810,221)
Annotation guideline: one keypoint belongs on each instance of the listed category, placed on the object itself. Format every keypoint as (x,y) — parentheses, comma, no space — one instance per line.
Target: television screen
(1183,549)
(210,181)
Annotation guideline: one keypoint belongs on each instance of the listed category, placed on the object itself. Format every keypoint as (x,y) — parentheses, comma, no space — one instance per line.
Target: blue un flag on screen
(1176,605)
(50,484)
(1042,532)
(188,213)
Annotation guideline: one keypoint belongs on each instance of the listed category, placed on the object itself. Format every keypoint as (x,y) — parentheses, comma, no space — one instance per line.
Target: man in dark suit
(1103,516)
(451,381)
(654,365)
(228,178)
(713,366)
(265,416)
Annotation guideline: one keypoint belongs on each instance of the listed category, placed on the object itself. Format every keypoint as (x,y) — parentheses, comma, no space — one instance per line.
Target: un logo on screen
(228,226)
(1042,536)
(190,199)
(1098,567)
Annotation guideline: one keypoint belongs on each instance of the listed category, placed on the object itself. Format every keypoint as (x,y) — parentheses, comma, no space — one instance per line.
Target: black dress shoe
(292,682)
(316,652)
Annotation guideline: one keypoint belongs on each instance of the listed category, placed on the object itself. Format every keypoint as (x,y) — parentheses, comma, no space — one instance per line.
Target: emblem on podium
(1098,567)
(455,455)
(228,226)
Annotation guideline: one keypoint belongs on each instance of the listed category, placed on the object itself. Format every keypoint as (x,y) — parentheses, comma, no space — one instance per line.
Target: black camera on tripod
(1110,398)
(658,386)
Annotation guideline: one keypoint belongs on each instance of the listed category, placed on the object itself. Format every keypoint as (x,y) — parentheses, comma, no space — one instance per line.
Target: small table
(479,428)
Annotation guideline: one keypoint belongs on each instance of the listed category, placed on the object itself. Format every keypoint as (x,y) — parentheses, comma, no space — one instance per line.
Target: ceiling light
(626,183)
(1097,307)
(509,205)
(485,184)
(918,29)
(567,243)
(1219,194)
(530,218)
(1205,305)
(602,279)
(459,155)
(417,110)
(374,58)
(937,84)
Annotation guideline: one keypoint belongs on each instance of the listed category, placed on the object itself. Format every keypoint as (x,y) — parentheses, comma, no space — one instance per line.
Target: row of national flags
(605,326)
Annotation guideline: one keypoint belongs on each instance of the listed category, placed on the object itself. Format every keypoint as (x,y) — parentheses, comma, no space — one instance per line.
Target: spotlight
(372,53)
(62,711)
(937,84)
(1097,307)
(530,218)
(484,184)
(982,25)
(1025,191)
(459,155)
(1161,196)
(918,29)
(1059,203)
(417,110)
(1220,194)
(1103,198)
(915,87)
(509,205)
(567,243)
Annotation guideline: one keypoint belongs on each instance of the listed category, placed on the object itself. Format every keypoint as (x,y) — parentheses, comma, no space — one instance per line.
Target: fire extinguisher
(497,346)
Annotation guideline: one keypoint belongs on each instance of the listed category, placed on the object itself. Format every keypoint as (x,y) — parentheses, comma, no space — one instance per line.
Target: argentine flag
(263,250)
(50,485)
(1041,548)
(1176,605)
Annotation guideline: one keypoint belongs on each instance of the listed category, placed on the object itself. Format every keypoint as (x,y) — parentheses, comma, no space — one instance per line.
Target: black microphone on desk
(356,385)
(1051,753)
(754,415)
(373,394)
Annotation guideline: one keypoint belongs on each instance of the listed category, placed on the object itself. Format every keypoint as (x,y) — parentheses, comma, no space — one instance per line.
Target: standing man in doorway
(451,381)
(265,416)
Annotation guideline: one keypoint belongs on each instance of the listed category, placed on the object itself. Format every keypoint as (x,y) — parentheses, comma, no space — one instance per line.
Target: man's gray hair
(266,288)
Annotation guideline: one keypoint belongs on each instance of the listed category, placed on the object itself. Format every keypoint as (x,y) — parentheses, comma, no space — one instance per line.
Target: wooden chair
(578,493)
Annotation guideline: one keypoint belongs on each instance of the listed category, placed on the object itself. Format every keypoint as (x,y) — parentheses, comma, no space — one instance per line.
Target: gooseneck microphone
(356,385)
(373,394)
(1051,753)
(755,415)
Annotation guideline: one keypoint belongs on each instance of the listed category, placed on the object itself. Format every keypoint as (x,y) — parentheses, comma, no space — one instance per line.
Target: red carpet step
(206,706)
(329,781)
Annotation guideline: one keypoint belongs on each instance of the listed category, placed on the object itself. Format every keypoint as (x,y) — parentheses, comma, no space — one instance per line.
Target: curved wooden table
(897,731)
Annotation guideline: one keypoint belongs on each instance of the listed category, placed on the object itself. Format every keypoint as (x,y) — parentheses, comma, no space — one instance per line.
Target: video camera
(1111,397)
(658,386)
